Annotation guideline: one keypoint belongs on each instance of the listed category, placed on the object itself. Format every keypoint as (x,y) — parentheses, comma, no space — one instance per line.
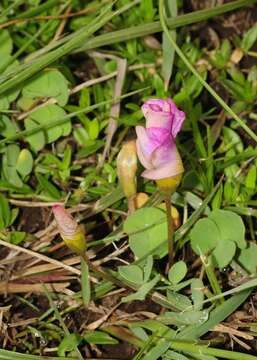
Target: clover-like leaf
(147,231)
(49,83)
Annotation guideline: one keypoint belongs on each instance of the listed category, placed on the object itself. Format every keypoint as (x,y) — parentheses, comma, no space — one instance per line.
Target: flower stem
(170,232)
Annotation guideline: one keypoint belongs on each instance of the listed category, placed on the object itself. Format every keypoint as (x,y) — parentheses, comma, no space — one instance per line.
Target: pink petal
(65,222)
(166,163)
(144,147)
(164,114)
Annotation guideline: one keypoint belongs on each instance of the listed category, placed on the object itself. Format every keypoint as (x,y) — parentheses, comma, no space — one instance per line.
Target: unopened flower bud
(127,168)
(71,232)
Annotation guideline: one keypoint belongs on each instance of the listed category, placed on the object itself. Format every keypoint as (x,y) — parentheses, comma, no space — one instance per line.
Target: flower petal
(163,114)
(66,224)
(144,147)
(155,116)
(166,163)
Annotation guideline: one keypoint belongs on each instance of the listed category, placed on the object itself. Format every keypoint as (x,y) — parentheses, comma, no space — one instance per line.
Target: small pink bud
(70,231)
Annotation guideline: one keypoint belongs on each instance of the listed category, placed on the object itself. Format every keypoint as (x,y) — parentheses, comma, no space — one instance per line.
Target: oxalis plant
(123,252)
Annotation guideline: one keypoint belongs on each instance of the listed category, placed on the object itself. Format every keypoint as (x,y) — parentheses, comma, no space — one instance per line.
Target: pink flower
(156,146)
(70,231)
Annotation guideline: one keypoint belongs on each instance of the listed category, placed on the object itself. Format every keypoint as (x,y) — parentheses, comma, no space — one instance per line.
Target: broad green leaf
(131,273)
(146,232)
(24,163)
(45,116)
(248,258)
(38,139)
(230,226)
(99,338)
(177,272)
(50,83)
(204,236)
(224,252)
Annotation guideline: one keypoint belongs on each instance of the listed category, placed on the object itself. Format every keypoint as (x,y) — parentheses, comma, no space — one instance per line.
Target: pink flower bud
(70,231)
(156,146)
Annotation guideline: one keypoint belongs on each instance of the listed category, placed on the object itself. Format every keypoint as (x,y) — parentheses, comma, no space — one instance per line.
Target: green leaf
(131,273)
(93,129)
(248,258)
(37,140)
(168,50)
(45,116)
(184,318)
(5,212)
(180,301)
(177,272)
(99,338)
(9,165)
(249,38)
(16,237)
(85,282)
(146,232)
(224,253)
(12,94)
(204,236)
(7,127)
(142,291)
(230,226)
(172,355)
(216,316)
(24,163)
(6,44)
(147,269)
(69,343)
(50,83)
(48,187)
(197,290)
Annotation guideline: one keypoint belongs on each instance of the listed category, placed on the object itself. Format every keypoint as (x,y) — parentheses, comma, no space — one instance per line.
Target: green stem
(210,272)
(204,350)
(85,281)
(199,77)
(170,232)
